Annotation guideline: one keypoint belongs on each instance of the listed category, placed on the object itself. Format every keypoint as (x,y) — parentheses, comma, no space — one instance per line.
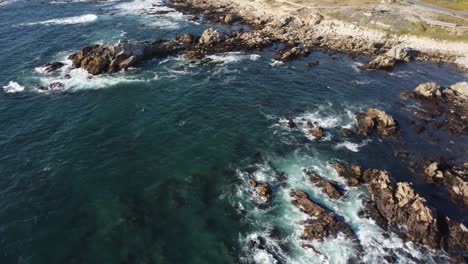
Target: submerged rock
(376,119)
(52,66)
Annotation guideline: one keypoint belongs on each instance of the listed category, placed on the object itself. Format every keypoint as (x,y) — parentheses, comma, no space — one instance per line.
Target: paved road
(439,9)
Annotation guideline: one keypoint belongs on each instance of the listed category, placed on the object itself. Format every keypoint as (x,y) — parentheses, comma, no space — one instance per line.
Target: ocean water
(151,165)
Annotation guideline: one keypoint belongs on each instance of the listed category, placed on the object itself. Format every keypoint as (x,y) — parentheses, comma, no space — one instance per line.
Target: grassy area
(424,30)
(460,5)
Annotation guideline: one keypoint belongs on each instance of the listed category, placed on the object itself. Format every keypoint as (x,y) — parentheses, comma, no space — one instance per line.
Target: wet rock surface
(260,191)
(443,108)
(397,207)
(52,66)
(106,58)
(322,224)
(453,178)
(375,119)
(329,188)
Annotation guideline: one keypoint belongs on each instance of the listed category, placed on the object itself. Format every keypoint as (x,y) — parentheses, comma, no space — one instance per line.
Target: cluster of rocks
(105,58)
(111,58)
(453,178)
(321,224)
(305,31)
(445,108)
(398,207)
(375,119)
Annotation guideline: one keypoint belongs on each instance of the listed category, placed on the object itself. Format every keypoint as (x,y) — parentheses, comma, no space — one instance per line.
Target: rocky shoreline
(311,30)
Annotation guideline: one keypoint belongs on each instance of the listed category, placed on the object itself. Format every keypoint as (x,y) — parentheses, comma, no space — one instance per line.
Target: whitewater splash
(65,21)
(13,87)
(277,229)
(354,147)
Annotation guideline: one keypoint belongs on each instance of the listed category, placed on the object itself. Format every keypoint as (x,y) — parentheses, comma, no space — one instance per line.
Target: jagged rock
(317,133)
(261,191)
(329,188)
(377,119)
(433,171)
(458,237)
(99,59)
(210,37)
(451,104)
(401,206)
(322,224)
(391,58)
(352,175)
(186,39)
(53,66)
(429,90)
(453,178)
(459,89)
(289,53)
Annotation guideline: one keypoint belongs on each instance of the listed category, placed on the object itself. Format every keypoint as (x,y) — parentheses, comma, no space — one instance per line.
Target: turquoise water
(149,166)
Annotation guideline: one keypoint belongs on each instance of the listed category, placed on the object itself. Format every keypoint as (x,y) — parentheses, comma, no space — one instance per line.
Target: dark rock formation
(322,224)
(454,178)
(376,119)
(261,191)
(52,66)
(351,174)
(317,133)
(99,59)
(444,108)
(402,207)
(329,188)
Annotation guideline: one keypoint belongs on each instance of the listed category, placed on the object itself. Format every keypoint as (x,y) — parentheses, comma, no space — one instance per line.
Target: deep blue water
(149,166)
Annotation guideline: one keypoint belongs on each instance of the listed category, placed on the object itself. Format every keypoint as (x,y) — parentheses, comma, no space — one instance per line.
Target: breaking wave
(88,18)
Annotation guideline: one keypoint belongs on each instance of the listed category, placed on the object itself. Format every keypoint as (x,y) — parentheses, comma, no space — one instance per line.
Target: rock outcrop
(375,119)
(443,108)
(401,206)
(453,178)
(322,224)
(52,66)
(329,188)
(260,191)
(390,59)
(99,59)
(351,174)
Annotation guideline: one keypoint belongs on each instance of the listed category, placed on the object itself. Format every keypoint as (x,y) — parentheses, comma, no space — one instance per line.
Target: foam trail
(88,18)
(13,87)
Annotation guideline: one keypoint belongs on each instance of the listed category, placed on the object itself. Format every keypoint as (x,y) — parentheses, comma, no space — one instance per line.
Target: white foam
(283,214)
(354,147)
(13,87)
(233,57)
(88,18)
